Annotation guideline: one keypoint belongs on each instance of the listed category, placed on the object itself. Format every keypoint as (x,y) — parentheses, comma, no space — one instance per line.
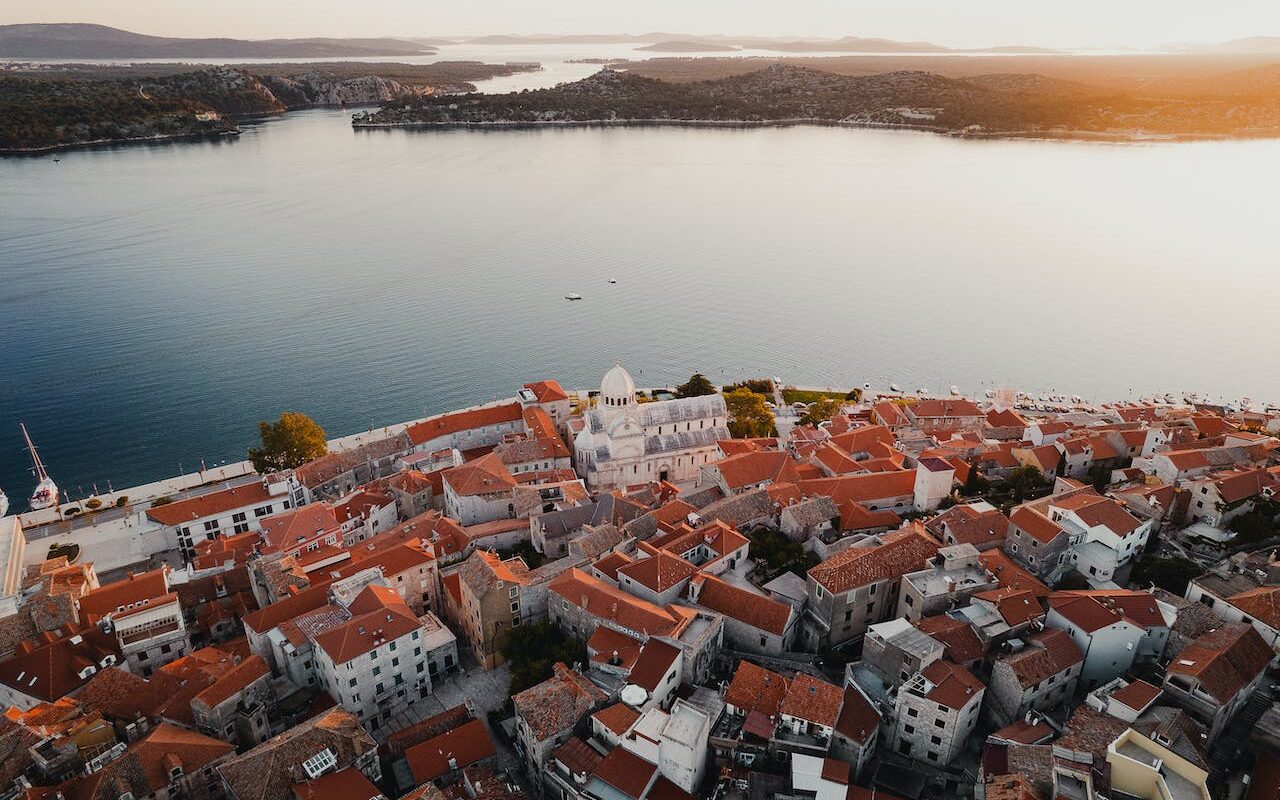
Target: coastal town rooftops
(859,720)
(454,749)
(1096,609)
(378,615)
(897,553)
(1137,695)
(1223,661)
(485,475)
(812,700)
(269,771)
(960,643)
(1262,603)
(288,530)
(212,504)
(58,662)
(746,606)
(1015,606)
(547,391)
(114,597)
(754,688)
(1050,652)
(978,525)
(659,572)
(748,469)
(655,660)
(627,773)
(557,703)
(465,420)
(951,685)
(347,784)
(943,409)
(331,465)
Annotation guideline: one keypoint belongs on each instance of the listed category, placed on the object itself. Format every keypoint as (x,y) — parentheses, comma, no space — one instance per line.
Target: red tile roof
(460,747)
(901,552)
(1263,604)
(1224,660)
(1137,695)
(556,704)
(378,615)
(609,602)
(960,643)
(136,588)
(1010,575)
(347,784)
(656,659)
(548,391)
(1051,652)
(299,525)
(1093,610)
(627,772)
(212,504)
(813,700)
(1015,606)
(485,475)
(658,572)
(617,717)
(859,720)
(458,421)
(953,685)
(755,688)
(748,607)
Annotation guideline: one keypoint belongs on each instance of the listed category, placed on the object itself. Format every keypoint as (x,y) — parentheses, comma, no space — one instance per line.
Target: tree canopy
(698,385)
(533,650)
(1171,573)
(821,410)
(748,415)
(289,442)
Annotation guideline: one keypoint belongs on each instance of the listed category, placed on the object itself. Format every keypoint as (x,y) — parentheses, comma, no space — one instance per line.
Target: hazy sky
(951,22)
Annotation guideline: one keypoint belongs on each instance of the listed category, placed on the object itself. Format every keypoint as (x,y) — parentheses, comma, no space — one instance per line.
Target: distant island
(1010,104)
(67,105)
(688,46)
(78,40)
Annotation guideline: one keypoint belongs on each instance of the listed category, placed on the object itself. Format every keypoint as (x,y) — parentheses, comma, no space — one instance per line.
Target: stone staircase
(1236,736)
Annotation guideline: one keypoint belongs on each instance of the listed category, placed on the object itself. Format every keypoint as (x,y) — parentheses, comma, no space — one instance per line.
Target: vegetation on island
(1002,104)
(287,443)
(791,394)
(62,105)
(749,417)
(533,650)
(757,385)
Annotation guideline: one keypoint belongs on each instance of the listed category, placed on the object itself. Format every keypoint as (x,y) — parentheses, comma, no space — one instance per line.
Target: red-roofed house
(1113,628)
(754,623)
(936,712)
(479,491)
(437,757)
(1037,676)
(239,509)
(1214,676)
(859,586)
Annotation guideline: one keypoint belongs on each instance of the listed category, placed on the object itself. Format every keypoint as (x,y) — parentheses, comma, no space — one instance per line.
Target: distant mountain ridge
(82,40)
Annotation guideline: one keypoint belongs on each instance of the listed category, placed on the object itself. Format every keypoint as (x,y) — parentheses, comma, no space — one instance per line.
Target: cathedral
(623,442)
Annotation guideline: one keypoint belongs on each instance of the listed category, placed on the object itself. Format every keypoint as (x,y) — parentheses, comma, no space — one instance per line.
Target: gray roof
(666,412)
(813,511)
(740,509)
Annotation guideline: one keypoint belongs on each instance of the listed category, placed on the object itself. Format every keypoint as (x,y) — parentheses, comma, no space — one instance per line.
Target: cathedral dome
(617,389)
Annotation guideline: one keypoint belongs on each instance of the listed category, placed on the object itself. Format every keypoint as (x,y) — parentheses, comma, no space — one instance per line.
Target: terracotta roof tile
(755,688)
(901,552)
(460,747)
(811,699)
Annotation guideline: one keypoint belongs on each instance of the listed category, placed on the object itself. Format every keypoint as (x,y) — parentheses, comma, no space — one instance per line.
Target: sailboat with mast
(4,503)
(46,493)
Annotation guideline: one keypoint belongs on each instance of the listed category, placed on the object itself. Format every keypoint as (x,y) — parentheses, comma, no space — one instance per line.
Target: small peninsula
(1011,104)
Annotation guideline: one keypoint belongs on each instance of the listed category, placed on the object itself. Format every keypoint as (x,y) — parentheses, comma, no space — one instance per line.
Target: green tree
(820,411)
(1023,481)
(1171,573)
(974,482)
(748,415)
(533,650)
(697,386)
(290,442)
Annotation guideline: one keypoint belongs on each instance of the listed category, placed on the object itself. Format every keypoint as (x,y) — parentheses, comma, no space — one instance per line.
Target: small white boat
(866,387)
(955,391)
(991,393)
(46,493)
(572,296)
(922,390)
(4,503)
(613,280)
(893,387)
